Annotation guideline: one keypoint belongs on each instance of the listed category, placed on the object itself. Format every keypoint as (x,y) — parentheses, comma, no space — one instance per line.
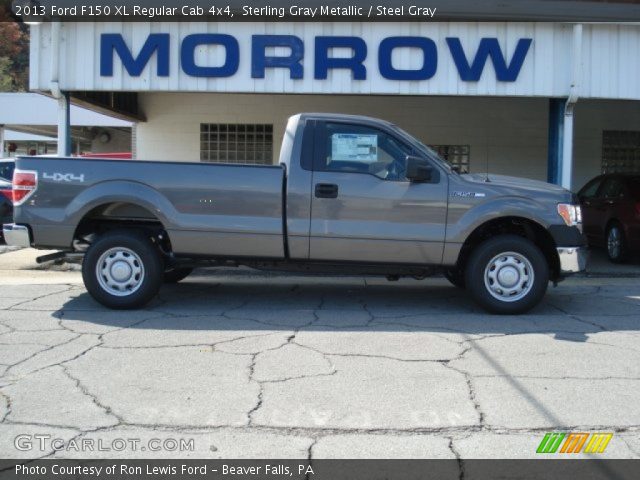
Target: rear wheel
(122,270)
(616,244)
(176,274)
(507,274)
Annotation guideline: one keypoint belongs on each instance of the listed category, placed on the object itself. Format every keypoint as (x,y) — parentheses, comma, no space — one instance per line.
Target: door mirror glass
(418,169)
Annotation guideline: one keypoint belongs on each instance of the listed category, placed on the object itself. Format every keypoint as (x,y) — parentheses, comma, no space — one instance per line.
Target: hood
(515,183)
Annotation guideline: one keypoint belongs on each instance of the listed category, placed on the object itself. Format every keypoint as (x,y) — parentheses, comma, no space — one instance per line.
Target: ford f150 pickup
(350,195)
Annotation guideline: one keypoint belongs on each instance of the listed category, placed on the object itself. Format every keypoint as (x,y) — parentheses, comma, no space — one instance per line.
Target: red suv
(611,213)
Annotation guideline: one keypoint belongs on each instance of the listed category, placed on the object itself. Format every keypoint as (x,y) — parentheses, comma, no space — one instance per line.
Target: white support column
(64,126)
(566,171)
(1,141)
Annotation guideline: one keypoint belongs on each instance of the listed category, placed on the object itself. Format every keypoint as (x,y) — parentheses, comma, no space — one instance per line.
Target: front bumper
(572,259)
(16,235)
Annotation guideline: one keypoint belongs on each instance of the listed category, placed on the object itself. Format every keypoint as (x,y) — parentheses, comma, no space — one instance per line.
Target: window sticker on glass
(354,147)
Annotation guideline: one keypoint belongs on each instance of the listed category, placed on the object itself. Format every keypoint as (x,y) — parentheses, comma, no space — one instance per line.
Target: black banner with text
(35,11)
(548,469)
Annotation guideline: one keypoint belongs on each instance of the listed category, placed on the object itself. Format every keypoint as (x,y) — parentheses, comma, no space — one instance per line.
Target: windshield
(428,152)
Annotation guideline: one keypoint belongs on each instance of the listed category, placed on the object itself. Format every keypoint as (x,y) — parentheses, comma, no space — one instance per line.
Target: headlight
(571,214)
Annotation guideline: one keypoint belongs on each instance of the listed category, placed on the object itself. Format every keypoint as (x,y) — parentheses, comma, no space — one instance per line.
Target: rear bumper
(16,235)
(572,259)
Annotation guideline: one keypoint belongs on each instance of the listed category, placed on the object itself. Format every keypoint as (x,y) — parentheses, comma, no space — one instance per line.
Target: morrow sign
(470,60)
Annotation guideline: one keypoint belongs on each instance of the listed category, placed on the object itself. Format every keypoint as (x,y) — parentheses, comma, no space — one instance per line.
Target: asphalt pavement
(238,364)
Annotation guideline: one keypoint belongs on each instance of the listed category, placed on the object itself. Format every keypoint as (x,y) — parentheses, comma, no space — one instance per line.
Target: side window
(6,170)
(634,188)
(590,189)
(359,149)
(611,188)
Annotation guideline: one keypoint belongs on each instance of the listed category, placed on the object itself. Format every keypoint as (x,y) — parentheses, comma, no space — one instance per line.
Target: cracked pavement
(252,365)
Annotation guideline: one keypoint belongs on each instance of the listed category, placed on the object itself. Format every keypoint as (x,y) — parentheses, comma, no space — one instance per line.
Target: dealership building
(549,101)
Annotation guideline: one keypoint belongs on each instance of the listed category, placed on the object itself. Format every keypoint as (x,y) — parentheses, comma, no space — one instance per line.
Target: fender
(120,191)
(460,227)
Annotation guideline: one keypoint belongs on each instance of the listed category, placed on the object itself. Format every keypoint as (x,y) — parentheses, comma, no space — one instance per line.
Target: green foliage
(14,57)
(6,82)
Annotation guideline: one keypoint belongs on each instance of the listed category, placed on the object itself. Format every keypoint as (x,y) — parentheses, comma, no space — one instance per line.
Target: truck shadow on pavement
(569,312)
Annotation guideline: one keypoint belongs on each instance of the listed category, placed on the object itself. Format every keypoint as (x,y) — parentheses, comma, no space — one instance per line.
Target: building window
(456,155)
(620,151)
(236,143)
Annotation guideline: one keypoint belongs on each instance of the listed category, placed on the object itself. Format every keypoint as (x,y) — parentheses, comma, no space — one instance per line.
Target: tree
(14,56)
(6,83)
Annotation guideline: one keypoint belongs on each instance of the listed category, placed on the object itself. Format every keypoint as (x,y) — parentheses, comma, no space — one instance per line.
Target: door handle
(326,190)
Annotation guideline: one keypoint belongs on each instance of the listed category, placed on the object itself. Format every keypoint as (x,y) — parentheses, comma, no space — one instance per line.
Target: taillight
(638,208)
(25,183)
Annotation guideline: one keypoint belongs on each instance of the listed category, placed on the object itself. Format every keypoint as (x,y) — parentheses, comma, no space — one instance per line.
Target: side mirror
(418,169)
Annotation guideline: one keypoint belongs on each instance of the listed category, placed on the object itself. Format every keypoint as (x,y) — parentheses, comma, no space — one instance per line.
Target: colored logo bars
(573,442)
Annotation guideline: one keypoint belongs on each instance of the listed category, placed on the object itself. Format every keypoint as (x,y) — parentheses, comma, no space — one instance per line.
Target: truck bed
(220,209)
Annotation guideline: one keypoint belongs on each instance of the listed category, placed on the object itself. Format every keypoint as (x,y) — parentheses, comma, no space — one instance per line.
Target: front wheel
(122,270)
(507,274)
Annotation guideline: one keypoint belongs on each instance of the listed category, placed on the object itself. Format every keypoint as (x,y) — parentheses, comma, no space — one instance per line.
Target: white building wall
(120,141)
(591,118)
(509,134)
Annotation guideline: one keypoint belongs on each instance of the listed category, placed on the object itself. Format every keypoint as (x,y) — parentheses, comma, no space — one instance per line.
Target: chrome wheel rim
(120,271)
(509,277)
(614,242)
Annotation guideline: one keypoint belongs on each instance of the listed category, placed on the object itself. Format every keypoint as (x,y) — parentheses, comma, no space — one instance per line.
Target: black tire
(133,251)
(455,277)
(615,243)
(518,252)
(176,274)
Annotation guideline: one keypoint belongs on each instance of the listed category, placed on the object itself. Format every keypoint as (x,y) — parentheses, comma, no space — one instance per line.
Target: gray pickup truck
(350,195)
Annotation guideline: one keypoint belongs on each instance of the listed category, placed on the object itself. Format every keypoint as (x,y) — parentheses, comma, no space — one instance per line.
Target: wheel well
(119,215)
(612,221)
(524,227)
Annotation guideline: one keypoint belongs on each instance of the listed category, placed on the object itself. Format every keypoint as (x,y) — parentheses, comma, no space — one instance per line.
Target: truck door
(364,209)
(605,204)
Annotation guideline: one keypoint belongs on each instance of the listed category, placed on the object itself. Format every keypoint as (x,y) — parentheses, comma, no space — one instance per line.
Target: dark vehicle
(6,204)
(611,214)
(7,165)
(351,195)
